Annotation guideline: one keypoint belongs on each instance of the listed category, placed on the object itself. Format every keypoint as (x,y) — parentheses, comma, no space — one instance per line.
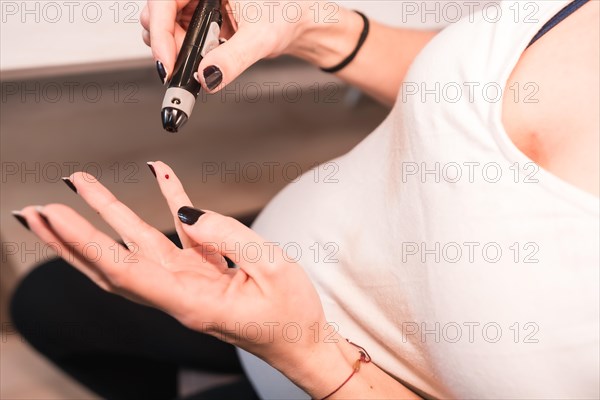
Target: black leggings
(118,349)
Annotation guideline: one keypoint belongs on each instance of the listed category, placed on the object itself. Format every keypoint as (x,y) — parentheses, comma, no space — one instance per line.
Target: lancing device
(202,36)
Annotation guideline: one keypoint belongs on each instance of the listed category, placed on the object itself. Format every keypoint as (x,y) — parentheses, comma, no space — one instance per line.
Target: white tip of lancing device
(197,77)
(212,39)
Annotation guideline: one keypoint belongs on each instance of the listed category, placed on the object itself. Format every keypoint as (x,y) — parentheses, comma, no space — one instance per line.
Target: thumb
(225,63)
(230,238)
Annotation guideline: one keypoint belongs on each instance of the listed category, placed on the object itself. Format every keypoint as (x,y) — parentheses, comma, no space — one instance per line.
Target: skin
(195,286)
(560,133)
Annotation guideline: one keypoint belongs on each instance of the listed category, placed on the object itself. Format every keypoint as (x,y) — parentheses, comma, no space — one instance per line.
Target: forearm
(322,370)
(380,65)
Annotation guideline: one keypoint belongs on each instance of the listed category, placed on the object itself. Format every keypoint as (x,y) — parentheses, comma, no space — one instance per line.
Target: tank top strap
(558,18)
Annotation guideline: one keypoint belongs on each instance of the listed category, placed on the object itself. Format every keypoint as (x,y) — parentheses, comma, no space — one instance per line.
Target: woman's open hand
(248,306)
(266,305)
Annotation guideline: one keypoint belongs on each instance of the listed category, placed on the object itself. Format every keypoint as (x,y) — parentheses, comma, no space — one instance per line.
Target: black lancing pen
(202,36)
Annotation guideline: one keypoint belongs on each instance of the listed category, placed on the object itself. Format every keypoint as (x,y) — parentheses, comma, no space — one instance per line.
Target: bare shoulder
(554,117)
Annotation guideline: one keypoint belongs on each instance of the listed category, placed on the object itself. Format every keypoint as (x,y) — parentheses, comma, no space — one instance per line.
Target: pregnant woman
(457,252)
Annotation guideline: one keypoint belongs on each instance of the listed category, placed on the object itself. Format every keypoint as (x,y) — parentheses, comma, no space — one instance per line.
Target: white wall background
(50,34)
(46,33)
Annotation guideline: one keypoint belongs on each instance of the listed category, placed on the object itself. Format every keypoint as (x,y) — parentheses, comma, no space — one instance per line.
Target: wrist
(327,368)
(321,368)
(327,43)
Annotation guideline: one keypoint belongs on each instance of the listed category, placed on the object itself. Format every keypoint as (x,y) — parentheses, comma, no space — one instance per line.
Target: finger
(162,27)
(229,25)
(145,18)
(179,37)
(42,230)
(146,37)
(126,272)
(233,57)
(125,222)
(145,21)
(174,193)
(256,256)
(176,197)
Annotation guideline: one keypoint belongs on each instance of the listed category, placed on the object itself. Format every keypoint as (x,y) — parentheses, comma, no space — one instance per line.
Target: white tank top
(464,270)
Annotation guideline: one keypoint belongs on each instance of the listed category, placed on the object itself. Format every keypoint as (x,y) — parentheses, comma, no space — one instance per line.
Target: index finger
(163,31)
(175,194)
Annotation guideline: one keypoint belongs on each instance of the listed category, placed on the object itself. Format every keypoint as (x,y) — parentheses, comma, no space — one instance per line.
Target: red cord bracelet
(364,358)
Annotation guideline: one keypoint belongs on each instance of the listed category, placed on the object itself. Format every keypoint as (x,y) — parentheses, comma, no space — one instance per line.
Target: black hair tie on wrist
(361,41)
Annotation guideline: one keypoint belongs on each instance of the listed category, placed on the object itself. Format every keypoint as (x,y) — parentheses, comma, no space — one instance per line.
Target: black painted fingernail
(162,73)
(189,215)
(151,169)
(41,214)
(213,77)
(21,219)
(70,184)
